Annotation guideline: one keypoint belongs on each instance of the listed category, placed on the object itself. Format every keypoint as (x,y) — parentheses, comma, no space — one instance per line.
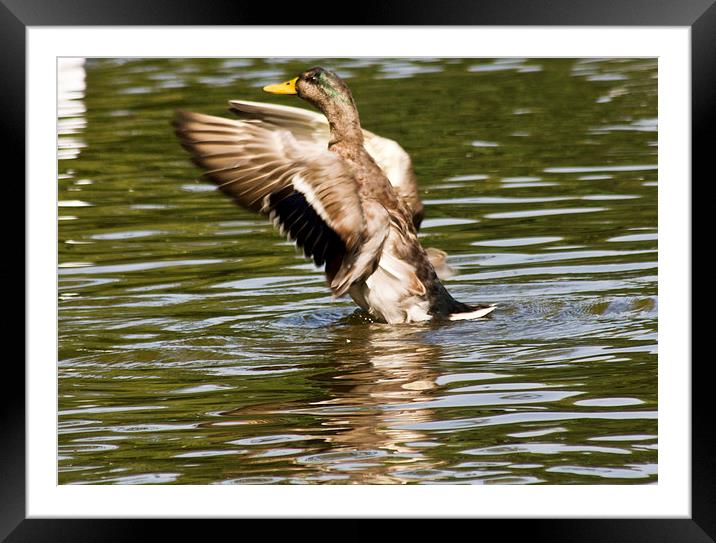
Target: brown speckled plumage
(345,195)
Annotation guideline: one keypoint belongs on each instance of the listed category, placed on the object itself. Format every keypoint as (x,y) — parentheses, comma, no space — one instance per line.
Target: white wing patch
(304,188)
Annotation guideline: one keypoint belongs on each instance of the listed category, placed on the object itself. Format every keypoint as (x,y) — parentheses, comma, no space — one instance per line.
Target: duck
(345,196)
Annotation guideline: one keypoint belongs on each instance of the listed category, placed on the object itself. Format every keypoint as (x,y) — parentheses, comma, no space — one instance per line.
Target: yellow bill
(287,87)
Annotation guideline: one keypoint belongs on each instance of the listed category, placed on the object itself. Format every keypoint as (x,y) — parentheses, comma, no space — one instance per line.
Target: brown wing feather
(312,128)
(249,162)
(308,191)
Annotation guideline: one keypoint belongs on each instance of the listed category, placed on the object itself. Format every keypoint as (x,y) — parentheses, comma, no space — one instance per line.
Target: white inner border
(669,498)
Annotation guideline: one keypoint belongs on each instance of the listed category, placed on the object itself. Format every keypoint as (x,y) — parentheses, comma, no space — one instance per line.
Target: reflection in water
(196,347)
(70,106)
(372,372)
(394,366)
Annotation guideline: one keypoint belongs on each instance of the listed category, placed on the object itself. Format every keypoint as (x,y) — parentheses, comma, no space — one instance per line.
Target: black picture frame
(699,15)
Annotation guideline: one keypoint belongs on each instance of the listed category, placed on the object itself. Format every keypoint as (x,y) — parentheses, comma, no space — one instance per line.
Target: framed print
(488,315)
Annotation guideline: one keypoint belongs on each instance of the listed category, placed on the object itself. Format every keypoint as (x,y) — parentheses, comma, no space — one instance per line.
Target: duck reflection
(369,403)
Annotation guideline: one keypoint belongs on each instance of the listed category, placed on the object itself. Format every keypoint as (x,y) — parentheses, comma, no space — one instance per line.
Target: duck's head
(319,87)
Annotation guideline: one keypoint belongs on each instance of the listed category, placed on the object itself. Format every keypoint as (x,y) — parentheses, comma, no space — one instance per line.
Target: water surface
(196,346)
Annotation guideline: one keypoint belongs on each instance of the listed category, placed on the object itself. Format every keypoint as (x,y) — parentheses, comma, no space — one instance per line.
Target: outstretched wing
(309,192)
(312,128)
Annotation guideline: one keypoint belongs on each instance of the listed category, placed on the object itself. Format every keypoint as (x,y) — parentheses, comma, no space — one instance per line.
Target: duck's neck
(344,124)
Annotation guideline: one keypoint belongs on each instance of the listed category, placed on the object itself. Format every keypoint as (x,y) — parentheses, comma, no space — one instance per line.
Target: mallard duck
(344,195)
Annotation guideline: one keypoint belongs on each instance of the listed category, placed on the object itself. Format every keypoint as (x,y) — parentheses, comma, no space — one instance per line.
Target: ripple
(152,428)
(504,64)
(340,456)
(66,265)
(586,169)
(639,125)
(464,400)
(538,433)
(595,177)
(73,203)
(524,179)
(229,371)
(530,185)
(127,235)
(470,177)
(269,440)
(208,453)
(606,77)
(517,242)
(635,471)
(482,143)
(233,63)
(542,448)
(87,448)
(609,402)
(467,377)
(259,284)
(446,221)
(200,389)
(198,187)
(556,270)
(633,437)
(275,453)
(525,418)
(636,237)
(99,409)
(140,266)
(502,259)
(143,479)
(607,197)
(429,474)
(496,200)
(543,212)
(256,480)
(403,70)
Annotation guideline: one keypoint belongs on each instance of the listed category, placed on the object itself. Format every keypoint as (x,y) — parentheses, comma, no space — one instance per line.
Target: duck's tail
(477,312)
(443,305)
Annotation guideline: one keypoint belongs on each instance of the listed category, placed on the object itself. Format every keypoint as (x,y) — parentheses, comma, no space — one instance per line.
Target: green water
(196,346)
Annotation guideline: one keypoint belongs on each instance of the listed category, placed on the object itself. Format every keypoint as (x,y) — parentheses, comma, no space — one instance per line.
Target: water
(196,346)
